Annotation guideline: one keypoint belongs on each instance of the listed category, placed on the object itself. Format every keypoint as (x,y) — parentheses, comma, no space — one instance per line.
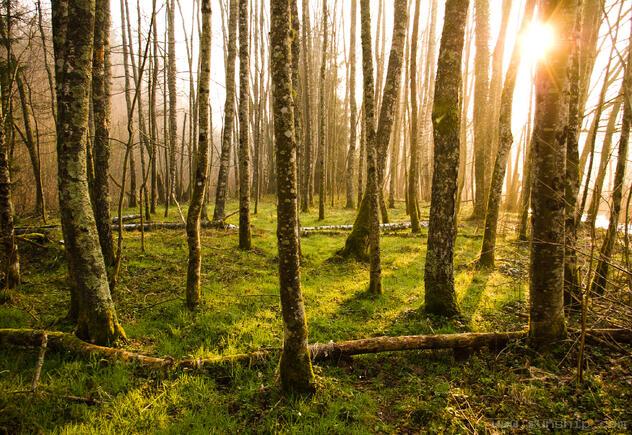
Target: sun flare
(537,41)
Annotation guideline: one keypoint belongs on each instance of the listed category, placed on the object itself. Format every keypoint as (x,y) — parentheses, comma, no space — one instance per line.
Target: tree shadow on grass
(470,298)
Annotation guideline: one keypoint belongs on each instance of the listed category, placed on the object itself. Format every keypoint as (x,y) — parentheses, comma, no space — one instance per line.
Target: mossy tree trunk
(101,108)
(601,271)
(372,178)
(505,140)
(546,292)
(229,114)
(245,238)
(96,316)
(413,172)
(201,160)
(440,297)
(353,110)
(10,259)
(295,367)
(357,244)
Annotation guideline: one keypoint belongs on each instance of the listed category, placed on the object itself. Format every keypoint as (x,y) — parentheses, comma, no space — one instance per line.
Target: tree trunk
(356,244)
(295,367)
(440,297)
(173,103)
(97,321)
(307,118)
(101,76)
(201,159)
(10,257)
(413,172)
(245,238)
(481,98)
(546,292)
(353,110)
(505,140)
(229,114)
(322,159)
(600,280)
(372,178)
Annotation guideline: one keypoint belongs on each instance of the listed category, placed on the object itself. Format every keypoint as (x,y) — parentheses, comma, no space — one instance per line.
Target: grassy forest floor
(388,393)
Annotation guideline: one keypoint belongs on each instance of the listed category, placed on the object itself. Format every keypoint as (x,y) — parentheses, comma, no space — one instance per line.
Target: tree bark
(201,172)
(353,111)
(505,140)
(245,238)
(413,172)
(546,291)
(440,297)
(322,158)
(173,100)
(101,107)
(600,280)
(295,367)
(97,321)
(481,99)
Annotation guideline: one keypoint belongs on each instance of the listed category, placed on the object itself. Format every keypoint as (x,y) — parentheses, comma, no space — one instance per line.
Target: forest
(315,216)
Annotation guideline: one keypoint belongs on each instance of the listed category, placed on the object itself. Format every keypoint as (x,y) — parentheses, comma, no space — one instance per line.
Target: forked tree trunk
(295,367)
(546,291)
(201,159)
(440,297)
(96,316)
(371,196)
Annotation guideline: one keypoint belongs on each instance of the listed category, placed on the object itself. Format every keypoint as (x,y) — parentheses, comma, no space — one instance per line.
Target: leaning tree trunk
(101,107)
(546,292)
(229,115)
(245,238)
(440,297)
(295,367)
(505,140)
(357,243)
(201,159)
(371,196)
(10,258)
(353,111)
(73,40)
(601,271)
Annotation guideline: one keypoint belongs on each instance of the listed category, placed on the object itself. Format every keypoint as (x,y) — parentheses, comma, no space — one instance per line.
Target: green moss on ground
(240,312)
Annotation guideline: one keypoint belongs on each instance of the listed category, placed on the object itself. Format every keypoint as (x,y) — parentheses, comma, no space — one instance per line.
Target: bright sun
(537,41)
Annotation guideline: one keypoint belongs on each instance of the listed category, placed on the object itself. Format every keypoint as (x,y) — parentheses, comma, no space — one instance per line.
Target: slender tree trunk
(546,293)
(372,185)
(322,121)
(201,159)
(413,172)
(295,367)
(97,321)
(481,98)
(101,76)
(505,140)
(173,100)
(229,114)
(353,110)
(600,280)
(10,258)
(245,238)
(440,297)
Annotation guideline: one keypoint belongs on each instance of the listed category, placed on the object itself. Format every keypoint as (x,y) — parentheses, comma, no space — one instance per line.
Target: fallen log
(70,344)
(337,229)
(126,218)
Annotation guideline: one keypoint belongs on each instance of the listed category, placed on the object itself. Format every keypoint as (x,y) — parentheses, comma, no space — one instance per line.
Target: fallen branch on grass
(64,342)
(336,229)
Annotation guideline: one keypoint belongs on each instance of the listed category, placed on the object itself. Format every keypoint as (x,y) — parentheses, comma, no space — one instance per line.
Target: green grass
(240,312)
